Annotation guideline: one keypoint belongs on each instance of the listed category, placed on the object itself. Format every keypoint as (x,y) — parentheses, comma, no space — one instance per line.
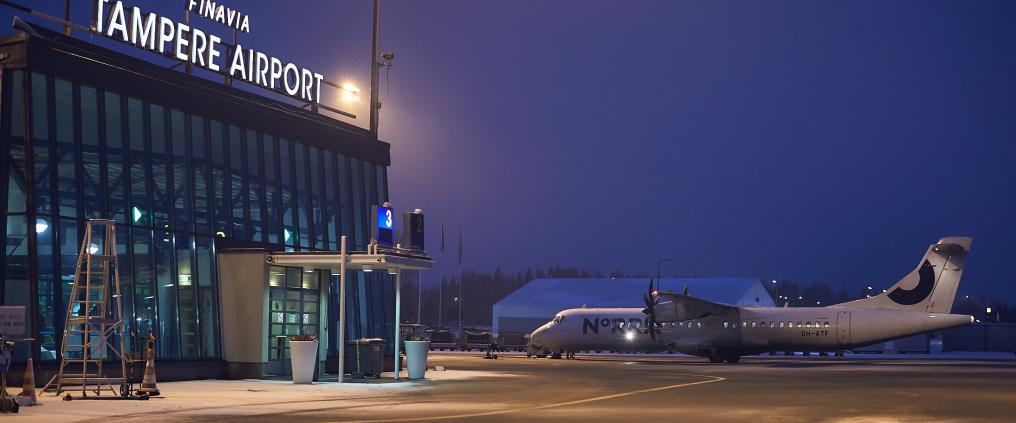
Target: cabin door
(843,327)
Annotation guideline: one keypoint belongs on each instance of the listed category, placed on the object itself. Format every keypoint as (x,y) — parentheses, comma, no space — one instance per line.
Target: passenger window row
(747,324)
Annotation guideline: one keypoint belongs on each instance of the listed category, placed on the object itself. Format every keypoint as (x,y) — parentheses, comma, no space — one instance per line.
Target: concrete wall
(243,298)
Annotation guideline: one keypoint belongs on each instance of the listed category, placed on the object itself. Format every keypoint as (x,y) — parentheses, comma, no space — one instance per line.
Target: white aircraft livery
(920,302)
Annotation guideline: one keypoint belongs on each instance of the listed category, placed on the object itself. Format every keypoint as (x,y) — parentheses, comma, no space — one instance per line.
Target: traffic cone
(28,392)
(148,383)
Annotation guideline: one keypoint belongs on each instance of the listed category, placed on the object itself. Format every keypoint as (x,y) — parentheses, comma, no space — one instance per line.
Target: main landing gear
(719,358)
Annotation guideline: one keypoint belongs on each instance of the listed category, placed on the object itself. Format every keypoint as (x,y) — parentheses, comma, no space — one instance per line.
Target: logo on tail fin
(925,284)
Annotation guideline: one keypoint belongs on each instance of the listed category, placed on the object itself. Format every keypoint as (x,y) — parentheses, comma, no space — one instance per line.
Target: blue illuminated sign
(385,225)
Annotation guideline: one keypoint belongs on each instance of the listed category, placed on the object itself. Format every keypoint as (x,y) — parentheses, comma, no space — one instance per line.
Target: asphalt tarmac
(597,388)
(760,389)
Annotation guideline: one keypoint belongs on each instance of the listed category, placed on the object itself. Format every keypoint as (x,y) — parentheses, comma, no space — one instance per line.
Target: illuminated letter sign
(182,42)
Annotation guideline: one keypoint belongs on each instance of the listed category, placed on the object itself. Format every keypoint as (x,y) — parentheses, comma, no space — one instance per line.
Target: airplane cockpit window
(558,319)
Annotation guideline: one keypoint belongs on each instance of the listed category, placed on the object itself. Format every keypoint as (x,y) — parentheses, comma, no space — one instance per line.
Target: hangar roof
(543,298)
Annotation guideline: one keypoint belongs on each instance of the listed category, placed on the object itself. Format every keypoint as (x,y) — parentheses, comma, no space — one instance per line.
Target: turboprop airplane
(920,302)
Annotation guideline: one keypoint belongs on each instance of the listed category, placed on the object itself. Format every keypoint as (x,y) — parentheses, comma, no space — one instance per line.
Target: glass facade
(174,181)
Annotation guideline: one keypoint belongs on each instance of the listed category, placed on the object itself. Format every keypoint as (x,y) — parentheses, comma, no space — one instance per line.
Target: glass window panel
(91,167)
(43,168)
(303,195)
(161,171)
(17,103)
(66,154)
(238,192)
(288,193)
(40,106)
(255,191)
(207,289)
(331,202)
(272,216)
(15,287)
(166,280)
(141,203)
(187,292)
(346,200)
(48,278)
(359,208)
(316,201)
(181,199)
(16,182)
(116,159)
(199,163)
(220,180)
(144,287)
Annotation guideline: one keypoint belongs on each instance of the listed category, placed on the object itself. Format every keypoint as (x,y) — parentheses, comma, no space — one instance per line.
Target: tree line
(481,290)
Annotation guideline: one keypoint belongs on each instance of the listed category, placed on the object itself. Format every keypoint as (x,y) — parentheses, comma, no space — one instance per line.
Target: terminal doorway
(294,298)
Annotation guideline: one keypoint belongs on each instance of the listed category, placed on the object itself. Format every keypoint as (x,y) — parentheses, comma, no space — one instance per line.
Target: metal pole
(460,303)
(398,326)
(440,295)
(67,16)
(374,54)
(342,307)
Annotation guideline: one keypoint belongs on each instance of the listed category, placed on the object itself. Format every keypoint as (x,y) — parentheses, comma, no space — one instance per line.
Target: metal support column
(342,307)
(398,326)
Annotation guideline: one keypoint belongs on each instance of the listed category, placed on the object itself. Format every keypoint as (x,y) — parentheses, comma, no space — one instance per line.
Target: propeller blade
(652,327)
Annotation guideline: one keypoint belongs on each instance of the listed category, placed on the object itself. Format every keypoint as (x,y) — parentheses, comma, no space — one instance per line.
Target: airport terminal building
(191,170)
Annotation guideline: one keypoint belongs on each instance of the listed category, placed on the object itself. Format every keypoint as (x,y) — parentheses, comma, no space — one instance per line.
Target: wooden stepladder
(93,332)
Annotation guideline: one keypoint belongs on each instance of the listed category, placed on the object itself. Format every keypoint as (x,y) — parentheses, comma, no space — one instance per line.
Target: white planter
(416,355)
(303,357)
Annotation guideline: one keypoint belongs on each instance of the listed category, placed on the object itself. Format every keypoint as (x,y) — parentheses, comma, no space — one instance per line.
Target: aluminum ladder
(93,332)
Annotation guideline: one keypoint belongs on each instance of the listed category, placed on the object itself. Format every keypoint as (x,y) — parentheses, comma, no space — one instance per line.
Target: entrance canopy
(391,260)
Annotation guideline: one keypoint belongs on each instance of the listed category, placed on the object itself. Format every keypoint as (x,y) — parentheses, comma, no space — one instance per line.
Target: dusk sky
(801,140)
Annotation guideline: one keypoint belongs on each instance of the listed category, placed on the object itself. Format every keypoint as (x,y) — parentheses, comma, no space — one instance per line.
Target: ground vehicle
(512,341)
(475,339)
(442,339)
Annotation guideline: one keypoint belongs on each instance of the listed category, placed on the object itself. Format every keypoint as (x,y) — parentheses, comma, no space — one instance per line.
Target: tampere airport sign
(162,35)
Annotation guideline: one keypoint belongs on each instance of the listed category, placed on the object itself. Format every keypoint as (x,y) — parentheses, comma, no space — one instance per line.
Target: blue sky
(826,141)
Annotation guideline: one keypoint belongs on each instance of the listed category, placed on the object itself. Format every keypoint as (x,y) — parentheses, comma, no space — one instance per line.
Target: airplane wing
(675,307)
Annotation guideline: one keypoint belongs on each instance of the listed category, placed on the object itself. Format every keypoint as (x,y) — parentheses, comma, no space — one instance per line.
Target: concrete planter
(416,355)
(303,357)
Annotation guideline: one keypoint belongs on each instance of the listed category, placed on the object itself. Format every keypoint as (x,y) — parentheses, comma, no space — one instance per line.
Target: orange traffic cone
(28,392)
(148,383)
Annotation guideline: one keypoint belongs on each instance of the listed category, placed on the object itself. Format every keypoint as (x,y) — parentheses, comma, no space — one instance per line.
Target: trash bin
(364,357)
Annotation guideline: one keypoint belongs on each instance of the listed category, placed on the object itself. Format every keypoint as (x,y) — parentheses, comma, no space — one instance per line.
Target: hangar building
(538,301)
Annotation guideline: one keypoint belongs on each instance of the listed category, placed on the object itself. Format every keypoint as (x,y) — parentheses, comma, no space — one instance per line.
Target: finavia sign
(162,35)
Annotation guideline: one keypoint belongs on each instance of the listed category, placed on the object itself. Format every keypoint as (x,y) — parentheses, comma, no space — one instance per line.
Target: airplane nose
(535,337)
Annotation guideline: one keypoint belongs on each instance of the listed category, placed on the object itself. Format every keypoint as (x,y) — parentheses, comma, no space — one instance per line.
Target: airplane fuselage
(752,330)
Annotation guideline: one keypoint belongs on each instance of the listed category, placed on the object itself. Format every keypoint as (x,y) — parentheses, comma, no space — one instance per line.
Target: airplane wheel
(715,358)
(556,356)
(733,358)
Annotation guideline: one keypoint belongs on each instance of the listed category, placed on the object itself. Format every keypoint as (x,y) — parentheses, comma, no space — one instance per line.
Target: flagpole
(460,278)
(440,281)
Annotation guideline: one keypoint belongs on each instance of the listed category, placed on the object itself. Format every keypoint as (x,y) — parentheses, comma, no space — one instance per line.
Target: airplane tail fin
(931,287)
